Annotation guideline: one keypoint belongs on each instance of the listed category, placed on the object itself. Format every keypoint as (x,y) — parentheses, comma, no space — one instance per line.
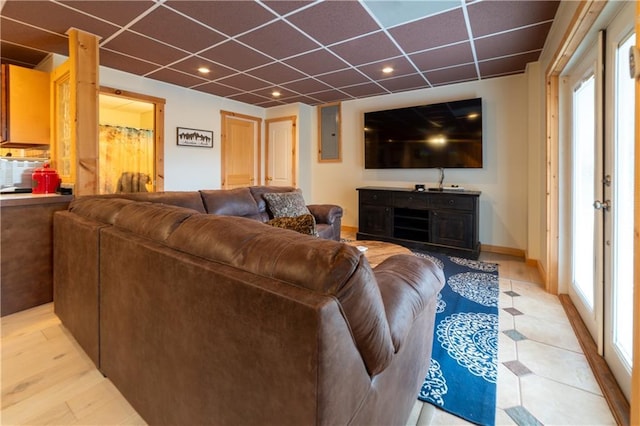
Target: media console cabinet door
(329,143)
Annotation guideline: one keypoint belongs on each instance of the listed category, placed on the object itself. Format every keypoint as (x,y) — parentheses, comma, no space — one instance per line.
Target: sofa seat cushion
(286,204)
(304,224)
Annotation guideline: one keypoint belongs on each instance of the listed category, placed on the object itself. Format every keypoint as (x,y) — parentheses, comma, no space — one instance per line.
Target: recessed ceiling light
(204,70)
(275,94)
(387,70)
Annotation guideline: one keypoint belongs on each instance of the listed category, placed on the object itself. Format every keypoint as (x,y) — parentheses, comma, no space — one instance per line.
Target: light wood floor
(48,379)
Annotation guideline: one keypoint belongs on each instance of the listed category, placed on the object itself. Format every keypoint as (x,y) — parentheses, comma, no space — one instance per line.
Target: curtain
(126,161)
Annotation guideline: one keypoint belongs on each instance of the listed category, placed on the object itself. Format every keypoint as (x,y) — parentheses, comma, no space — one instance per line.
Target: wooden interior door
(240,150)
(280,169)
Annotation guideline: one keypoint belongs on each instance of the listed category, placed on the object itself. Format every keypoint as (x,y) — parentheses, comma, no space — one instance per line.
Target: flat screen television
(442,135)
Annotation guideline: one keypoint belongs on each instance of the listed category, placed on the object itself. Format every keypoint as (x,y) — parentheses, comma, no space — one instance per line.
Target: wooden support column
(83,54)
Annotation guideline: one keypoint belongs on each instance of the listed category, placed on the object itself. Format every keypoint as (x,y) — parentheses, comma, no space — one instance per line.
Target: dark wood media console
(444,221)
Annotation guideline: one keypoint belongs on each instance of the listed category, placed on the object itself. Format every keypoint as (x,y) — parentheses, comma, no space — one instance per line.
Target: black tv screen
(447,135)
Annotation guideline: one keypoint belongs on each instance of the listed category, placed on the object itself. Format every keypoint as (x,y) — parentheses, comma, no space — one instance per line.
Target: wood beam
(83,54)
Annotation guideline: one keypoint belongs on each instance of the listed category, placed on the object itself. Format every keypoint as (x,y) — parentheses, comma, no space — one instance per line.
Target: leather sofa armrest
(409,286)
(325,213)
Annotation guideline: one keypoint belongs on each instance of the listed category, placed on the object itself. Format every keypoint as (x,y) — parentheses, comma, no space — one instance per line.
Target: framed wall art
(194,137)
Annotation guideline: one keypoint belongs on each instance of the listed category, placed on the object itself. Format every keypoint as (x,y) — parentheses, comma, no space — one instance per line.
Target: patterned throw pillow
(286,204)
(305,224)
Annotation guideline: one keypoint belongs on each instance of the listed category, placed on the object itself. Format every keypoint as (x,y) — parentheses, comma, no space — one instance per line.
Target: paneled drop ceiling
(312,52)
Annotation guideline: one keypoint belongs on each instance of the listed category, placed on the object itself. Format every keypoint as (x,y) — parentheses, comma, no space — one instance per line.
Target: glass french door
(619,190)
(600,94)
(585,290)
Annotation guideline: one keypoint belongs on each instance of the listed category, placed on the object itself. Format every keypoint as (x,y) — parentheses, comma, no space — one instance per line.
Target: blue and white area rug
(464,362)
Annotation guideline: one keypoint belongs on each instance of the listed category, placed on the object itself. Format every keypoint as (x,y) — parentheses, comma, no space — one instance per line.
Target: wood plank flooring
(48,379)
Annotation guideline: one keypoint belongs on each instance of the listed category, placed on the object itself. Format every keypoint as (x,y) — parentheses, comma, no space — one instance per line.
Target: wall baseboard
(510,251)
(345,228)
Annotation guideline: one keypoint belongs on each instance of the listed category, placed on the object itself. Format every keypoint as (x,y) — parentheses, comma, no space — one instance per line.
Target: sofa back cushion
(230,202)
(100,209)
(186,199)
(151,220)
(323,266)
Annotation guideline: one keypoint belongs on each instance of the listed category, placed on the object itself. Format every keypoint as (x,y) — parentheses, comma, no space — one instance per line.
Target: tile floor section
(543,376)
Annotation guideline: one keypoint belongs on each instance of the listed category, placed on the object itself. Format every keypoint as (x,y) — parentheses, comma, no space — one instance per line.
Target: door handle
(602,205)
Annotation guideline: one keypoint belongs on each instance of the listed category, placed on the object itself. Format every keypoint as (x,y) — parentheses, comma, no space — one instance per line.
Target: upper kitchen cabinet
(25,107)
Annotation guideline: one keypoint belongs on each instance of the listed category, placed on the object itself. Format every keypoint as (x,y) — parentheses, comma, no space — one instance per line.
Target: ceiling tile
(332,21)
(192,63)
(120,12)
(277,73)
(392,13)
(269,104)
(302,99)
(235,55)
(507,65)
(55,17)
(27,36)
(359,51)
(364,90)
(518,41)
(125,63)
(230,17)
(445,28)
(27,56)
(282,7)
(267,93)
(456,54)
(400,65)
(329,96)
(144,48)
(453,74)
(278,40)
(243,82)
(249,98)
(177,30)
(316,62)
(176,77)
(487,17)
(306,85)
(217,89)
(407,82)
(347,77)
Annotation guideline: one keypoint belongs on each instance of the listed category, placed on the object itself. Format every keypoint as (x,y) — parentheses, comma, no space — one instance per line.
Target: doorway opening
(131,142)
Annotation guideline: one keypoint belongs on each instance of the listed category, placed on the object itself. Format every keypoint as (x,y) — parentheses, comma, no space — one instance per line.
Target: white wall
(502,180)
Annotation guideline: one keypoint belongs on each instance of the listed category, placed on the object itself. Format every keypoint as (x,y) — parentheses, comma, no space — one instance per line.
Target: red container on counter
(45,180)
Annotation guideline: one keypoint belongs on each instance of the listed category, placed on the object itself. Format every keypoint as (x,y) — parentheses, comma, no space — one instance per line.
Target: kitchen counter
(26,247)
(27,199)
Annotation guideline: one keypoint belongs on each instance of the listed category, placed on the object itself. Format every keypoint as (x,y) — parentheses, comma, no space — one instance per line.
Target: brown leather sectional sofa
(209,319)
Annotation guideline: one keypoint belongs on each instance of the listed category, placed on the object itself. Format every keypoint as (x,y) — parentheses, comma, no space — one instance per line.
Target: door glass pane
(623,199)
(583,189)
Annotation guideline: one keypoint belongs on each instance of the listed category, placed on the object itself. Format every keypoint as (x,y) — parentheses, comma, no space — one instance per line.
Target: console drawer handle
(451,202)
